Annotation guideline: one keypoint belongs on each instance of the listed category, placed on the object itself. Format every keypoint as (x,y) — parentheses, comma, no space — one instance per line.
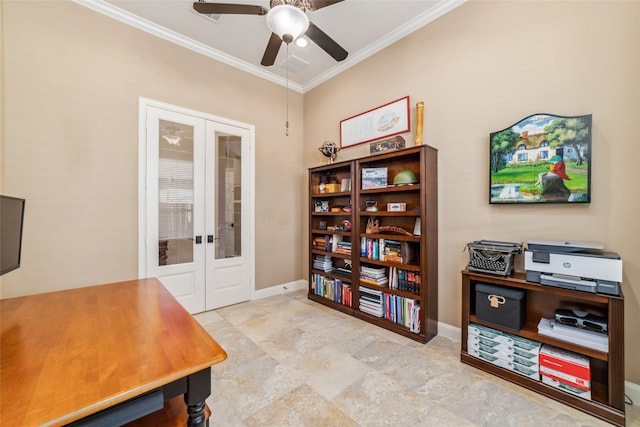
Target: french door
(197,212)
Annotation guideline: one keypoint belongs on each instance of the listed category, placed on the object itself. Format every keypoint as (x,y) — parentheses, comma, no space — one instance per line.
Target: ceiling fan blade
(228,9)
(271,51)
(319,4)
(327,44)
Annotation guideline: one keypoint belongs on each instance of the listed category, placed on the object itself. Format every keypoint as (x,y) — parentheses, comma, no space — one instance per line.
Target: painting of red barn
(543,158)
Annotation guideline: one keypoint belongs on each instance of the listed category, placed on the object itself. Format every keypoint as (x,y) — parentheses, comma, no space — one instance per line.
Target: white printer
(573,265)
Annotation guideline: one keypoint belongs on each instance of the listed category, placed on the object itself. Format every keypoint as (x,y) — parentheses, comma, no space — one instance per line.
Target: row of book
(404,311)
(395,308)
(381,249)
(332,243)
(398,278)
(404,280)
(334,289)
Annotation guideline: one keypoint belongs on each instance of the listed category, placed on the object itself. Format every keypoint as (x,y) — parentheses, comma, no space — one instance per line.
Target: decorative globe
(330,150)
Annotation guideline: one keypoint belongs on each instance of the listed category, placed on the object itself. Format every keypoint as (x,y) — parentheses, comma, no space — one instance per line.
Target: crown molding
(416,23)
(186,42)
(128,18)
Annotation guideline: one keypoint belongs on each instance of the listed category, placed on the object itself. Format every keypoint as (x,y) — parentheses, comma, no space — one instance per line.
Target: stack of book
(322,262)
(320,242)
(373,276)
(371,301)
(343,247)
(341,271)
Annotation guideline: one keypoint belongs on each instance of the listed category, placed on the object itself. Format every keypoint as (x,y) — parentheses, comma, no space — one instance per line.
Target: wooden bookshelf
(326,210)
(607,368)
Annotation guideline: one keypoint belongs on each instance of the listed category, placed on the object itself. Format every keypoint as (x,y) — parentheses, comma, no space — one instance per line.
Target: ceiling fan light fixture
(302,41)
(287,21)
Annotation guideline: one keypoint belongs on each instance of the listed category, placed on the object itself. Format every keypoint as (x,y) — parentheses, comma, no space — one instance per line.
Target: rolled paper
(419,122)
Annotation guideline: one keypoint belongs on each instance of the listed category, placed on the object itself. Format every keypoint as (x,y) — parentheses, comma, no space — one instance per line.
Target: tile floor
(294,362)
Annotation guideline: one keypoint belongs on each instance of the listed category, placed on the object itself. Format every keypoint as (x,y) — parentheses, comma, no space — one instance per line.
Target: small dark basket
(492,257)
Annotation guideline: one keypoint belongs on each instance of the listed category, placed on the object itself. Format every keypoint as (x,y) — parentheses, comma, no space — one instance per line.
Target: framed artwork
(322,206)
(543,158)
(374,178)
(384,121)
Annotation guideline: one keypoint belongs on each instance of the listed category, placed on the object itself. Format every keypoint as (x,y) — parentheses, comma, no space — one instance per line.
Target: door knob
(210,238)
(198,240)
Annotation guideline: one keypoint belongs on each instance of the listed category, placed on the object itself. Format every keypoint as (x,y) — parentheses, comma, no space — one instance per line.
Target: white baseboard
(448,331)
(279,289)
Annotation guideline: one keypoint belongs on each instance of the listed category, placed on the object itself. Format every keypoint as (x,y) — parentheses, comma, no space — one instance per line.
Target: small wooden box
(396,207)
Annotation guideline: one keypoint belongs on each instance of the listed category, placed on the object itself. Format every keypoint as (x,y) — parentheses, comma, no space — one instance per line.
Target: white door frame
(249,252)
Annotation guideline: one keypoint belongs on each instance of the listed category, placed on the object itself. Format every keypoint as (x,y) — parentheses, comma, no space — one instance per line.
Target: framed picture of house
(543,158)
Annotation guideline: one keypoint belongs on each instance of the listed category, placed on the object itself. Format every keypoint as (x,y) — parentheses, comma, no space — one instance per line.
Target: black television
(11,221)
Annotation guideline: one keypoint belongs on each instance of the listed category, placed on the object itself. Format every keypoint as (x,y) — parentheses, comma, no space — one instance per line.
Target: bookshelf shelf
(386,213)
(400,286)
(391,189)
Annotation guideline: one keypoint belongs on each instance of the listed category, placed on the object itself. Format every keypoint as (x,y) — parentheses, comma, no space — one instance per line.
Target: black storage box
(500,305)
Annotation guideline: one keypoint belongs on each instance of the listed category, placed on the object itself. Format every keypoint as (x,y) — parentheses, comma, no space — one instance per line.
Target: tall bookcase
(373,245)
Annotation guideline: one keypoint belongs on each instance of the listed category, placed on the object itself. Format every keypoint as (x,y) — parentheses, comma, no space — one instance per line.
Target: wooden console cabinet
(607,368)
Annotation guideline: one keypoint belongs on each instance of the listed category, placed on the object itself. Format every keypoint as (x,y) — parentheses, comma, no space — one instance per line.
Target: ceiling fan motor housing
(300,4)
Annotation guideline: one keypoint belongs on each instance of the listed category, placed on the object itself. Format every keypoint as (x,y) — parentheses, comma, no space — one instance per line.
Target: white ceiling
(362,27)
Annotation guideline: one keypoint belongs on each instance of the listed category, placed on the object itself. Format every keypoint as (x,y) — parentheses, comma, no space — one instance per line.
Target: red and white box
(566,371)
(565,361)
(567,388)
(581,383)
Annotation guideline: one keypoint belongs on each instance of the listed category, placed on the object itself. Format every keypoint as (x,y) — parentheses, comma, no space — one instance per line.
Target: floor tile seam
(243,335)
(327,401)
(396,383)
(557,407)
(244,416)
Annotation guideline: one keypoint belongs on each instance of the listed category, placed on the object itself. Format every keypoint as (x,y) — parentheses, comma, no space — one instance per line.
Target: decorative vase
(419,122)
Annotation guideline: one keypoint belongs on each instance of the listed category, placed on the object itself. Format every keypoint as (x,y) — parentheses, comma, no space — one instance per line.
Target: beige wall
(483,67)
(72,81)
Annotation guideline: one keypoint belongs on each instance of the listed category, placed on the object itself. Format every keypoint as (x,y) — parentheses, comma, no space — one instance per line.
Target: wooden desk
(69,354)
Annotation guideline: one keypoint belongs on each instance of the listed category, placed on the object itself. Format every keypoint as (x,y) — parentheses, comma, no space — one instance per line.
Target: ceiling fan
(287,21)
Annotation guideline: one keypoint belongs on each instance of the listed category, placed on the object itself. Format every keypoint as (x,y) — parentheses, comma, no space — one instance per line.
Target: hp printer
(573,265)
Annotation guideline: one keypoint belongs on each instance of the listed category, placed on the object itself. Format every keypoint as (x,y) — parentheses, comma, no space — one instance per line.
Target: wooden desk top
(68,354)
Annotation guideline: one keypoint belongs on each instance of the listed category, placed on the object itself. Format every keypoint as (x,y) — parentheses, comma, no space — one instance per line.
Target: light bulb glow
(302,41)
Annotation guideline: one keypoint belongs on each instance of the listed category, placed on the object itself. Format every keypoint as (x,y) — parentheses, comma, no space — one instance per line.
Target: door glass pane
(228,218)
(175,198)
